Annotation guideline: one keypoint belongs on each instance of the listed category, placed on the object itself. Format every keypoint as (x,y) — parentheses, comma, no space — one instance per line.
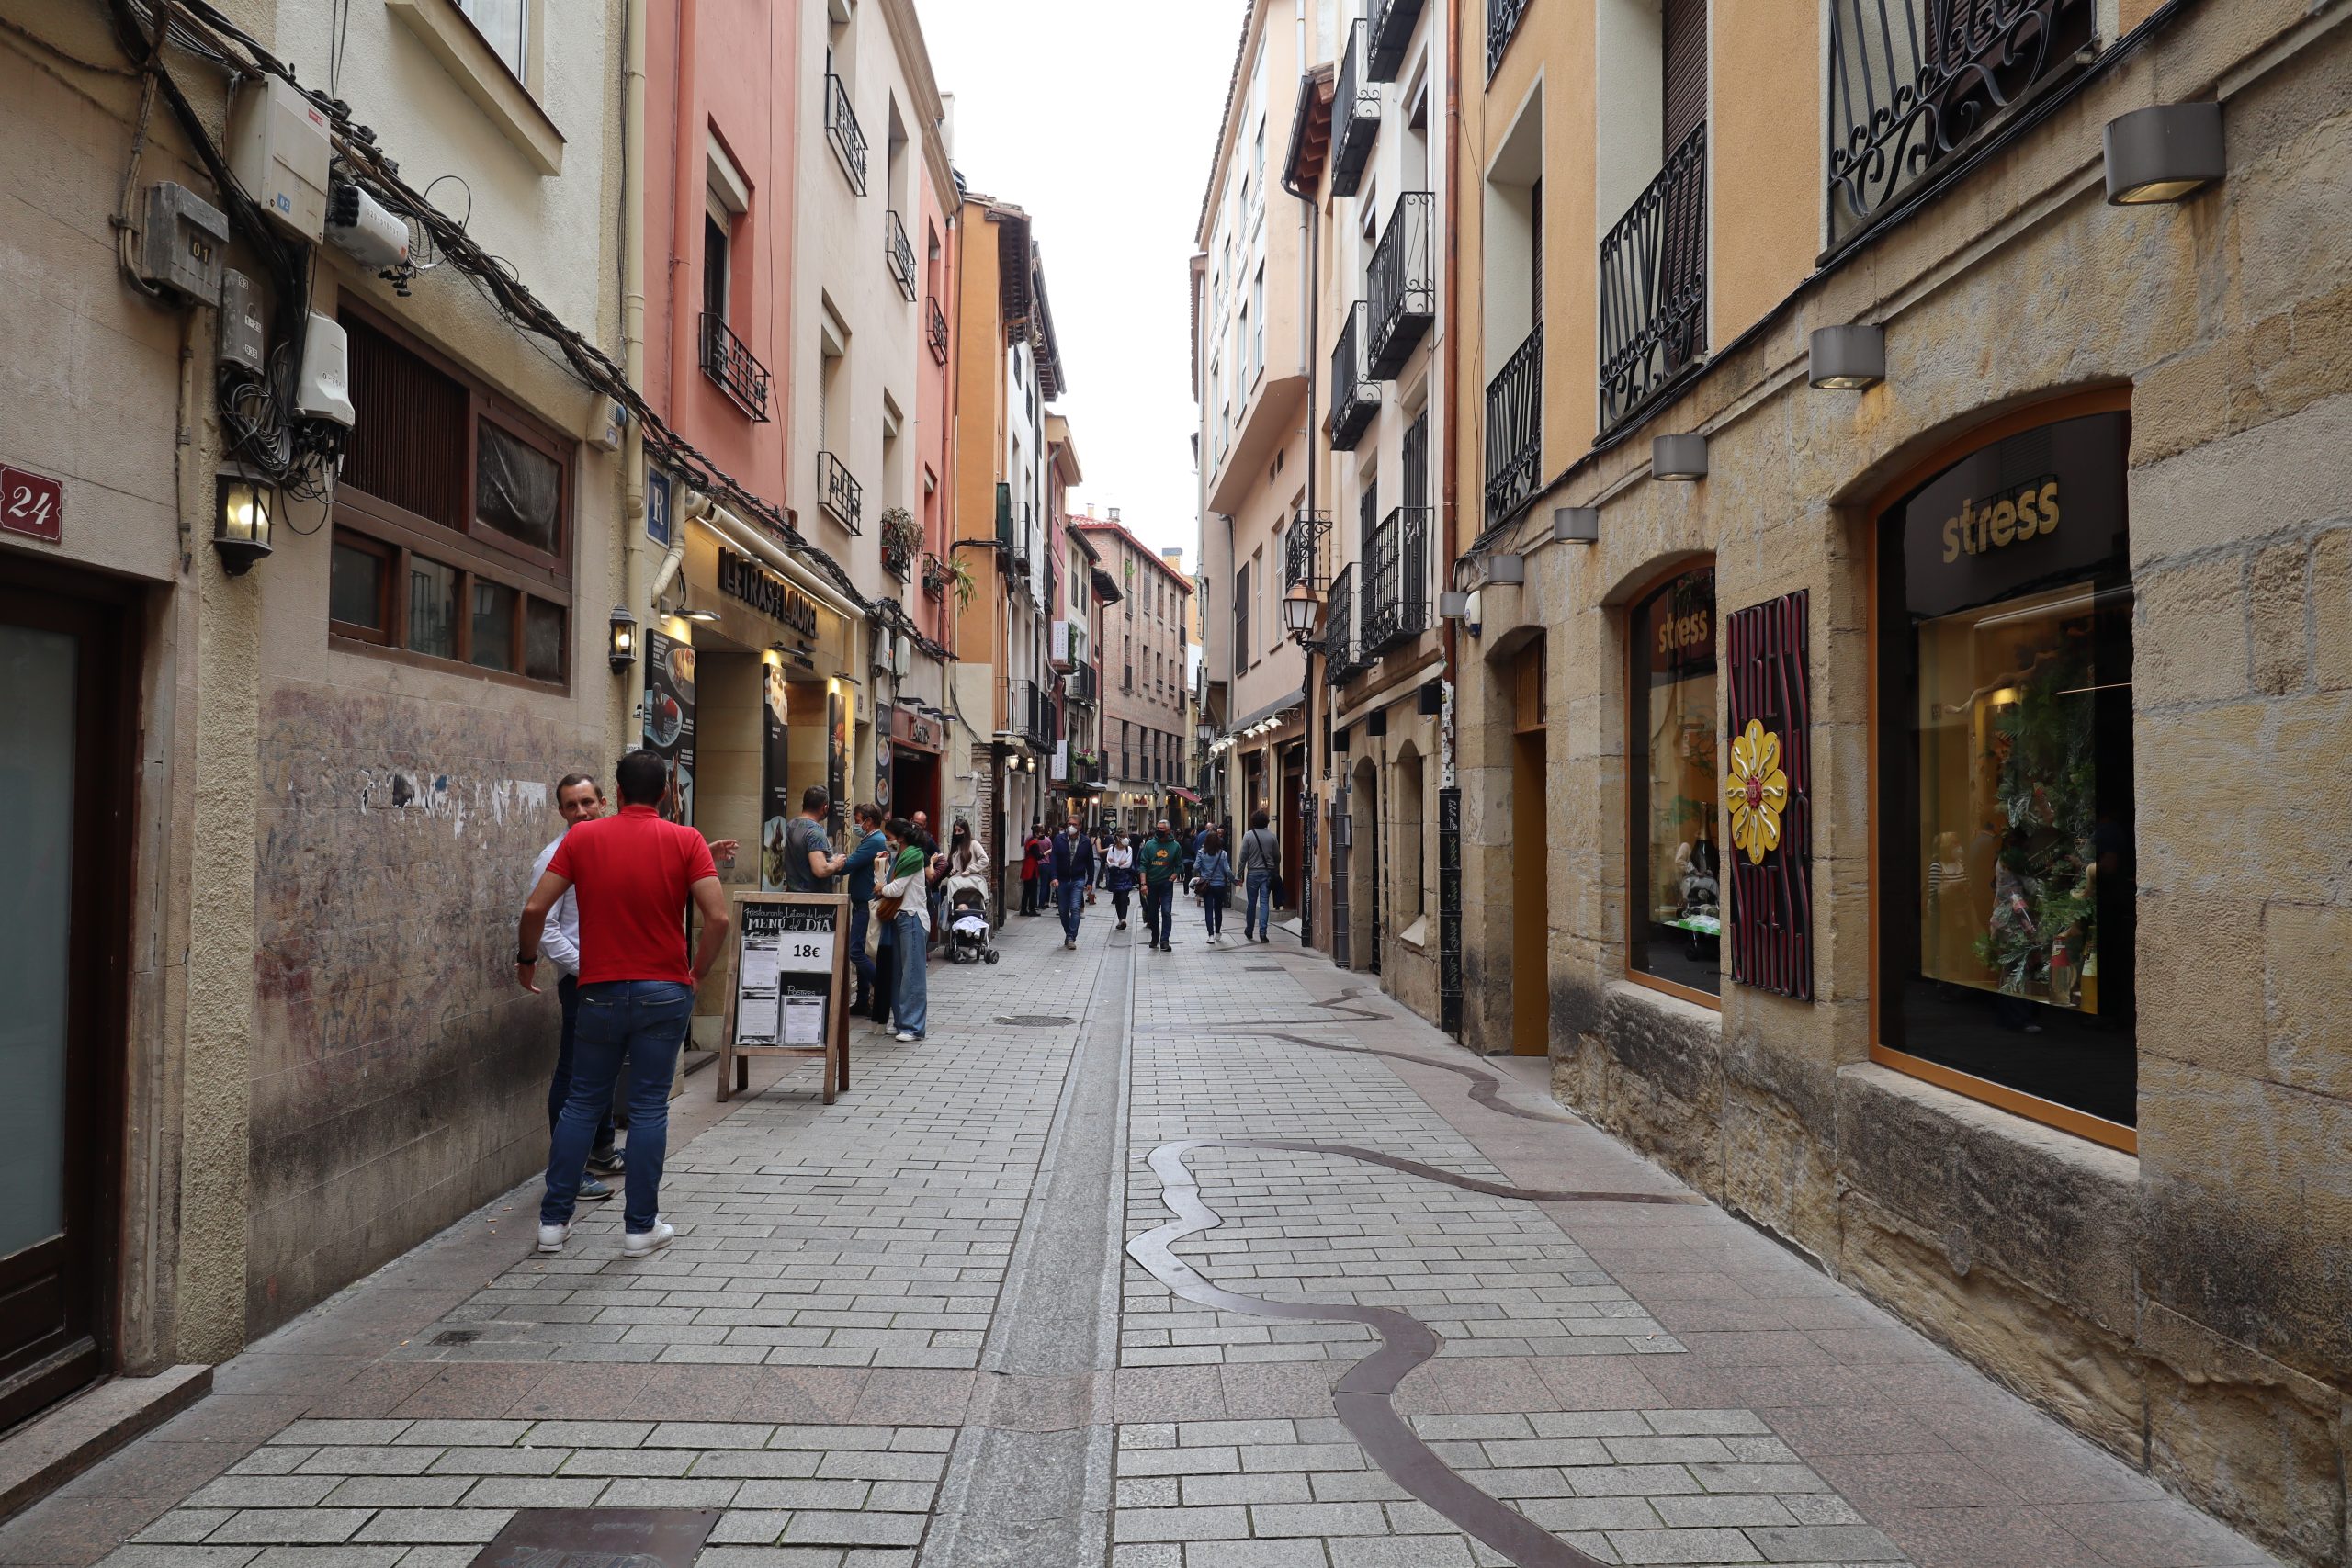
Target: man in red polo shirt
(633,876)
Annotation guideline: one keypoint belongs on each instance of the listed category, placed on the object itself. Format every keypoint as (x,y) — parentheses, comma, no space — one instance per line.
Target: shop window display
(2006,752)
(1671,761)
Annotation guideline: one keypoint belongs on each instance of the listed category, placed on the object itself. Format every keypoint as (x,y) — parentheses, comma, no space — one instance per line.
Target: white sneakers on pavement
(553,1237)
(644,1243)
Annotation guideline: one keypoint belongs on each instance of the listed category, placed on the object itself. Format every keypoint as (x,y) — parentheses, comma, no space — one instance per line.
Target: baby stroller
(970,938)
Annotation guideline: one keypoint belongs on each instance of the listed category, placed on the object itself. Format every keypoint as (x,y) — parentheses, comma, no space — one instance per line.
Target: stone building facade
(1999,966)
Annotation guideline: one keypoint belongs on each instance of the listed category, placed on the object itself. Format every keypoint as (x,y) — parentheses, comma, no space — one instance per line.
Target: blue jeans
(911,999)
(860,916)
(642,1023)
(1213,907)
(1071,896)
(567,996)
(1159,908)
(1258,915)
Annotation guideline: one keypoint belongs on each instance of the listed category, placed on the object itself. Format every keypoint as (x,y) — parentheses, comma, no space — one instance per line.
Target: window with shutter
(1684,24)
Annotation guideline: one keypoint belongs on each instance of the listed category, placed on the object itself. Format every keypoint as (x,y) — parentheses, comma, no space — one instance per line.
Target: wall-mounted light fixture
(1453,606)
(1847,358)
(244,509)
(1575,524)
(1506,569)
(2163,153)
(620,642)
(1298,612)
(703,617)
(1678,457)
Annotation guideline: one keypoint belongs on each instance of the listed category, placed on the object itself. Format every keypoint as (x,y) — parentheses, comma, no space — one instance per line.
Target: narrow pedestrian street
(1136,1259)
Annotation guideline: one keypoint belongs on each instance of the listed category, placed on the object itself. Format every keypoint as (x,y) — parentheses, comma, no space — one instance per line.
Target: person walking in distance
(1160,856)
(1033,851)
(1255,866)
(1119,874)
(634,875)
(1073,868)
(1212,873)
(909,913)
(579,799)
(860,866)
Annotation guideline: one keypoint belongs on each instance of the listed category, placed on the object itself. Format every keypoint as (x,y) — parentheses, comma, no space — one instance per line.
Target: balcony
(725,361)
(841,129)
(1515,429)
(1004,518)
(1653,286)
(1082,686)
(1502,23)
(935,331)
(1403,286)
(1339,627)
(1024,525)
(842,497)
(1392,31)
(1303,550)
(1028,713)
(1355,117)
(901,253)
(1912,82)
(1396,610)
(1355,397)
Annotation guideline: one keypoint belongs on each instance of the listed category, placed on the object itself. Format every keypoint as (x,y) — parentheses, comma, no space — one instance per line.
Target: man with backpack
(1256,864)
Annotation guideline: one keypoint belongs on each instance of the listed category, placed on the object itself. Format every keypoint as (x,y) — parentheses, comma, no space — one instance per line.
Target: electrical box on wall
(323,391)
(182,239)
(243,340)
(279,150)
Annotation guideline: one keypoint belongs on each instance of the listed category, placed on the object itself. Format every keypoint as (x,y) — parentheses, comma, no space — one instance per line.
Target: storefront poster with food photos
(884,718)
(669,716)
(837,756)
(775,791)
(1768,796)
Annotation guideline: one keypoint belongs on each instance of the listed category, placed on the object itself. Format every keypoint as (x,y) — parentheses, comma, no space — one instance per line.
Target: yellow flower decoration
(1757,791)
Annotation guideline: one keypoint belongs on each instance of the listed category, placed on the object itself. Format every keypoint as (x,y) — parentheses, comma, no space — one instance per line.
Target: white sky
(1099,118)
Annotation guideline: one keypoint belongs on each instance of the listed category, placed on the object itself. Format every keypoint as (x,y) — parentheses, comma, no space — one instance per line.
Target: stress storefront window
(2006,736)
(1677,865)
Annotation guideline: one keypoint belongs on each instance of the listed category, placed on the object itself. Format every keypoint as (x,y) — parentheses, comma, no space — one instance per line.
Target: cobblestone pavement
(904,1330)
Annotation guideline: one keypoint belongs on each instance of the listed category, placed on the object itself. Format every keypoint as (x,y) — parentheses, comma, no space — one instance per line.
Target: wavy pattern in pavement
(1364,1398)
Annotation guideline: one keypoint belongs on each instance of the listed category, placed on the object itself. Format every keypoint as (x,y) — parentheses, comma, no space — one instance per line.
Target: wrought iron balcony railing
(901,254)
(897,555)
(725,361)
(1912,82)
(1402,286)
(1028,712)
(1356,398)
(1398,608)
(839,493)
(1303,550)
(1356,116)
(1339,627)
(1392,31)
(1083,686)
(1515,429)
(843,130)
(1502,21)
(1653,286)
(936,330)
(1004,518)
(1024,524)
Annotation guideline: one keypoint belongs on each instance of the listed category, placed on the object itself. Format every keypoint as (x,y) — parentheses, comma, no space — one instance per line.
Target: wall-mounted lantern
(620,640)
(244,509)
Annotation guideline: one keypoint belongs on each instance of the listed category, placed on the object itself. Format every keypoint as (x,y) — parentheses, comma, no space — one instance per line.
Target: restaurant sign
(743,577)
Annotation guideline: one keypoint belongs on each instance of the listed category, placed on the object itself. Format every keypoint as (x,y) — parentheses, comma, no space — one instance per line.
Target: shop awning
(1186,796)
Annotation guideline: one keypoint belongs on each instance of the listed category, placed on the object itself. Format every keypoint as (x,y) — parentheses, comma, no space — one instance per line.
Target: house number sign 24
(32,504)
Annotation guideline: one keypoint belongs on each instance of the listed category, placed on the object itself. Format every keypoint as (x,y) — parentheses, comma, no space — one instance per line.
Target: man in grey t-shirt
(810,864)
(1255,864)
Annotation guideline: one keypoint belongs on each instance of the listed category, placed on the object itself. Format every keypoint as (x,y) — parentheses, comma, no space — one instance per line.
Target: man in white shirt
(580,799)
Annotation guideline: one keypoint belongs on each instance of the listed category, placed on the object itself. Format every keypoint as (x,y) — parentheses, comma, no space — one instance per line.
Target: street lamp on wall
(1298,612)
(621,642)
(244,510)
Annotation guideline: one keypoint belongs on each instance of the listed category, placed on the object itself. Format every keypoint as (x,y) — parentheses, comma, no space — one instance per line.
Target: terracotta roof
(1104,526)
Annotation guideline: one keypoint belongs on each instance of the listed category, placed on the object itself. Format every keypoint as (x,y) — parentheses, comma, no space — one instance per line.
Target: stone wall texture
(2186,1307)
(399,1076)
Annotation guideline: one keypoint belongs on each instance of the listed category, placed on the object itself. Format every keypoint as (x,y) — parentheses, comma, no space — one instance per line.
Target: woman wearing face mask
(1119,874)
(903,894)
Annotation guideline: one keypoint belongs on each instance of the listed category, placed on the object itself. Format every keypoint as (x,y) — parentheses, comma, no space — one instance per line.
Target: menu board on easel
(786,997)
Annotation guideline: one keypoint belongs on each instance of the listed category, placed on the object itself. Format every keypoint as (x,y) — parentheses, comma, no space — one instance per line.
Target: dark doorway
(1292,830)
(66,740)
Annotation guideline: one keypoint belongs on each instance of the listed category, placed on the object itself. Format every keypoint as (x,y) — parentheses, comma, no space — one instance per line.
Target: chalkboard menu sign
(785,994)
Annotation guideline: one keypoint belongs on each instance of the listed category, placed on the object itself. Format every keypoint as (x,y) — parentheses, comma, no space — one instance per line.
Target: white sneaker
(644,1243)
(553,1237)
(907,1036)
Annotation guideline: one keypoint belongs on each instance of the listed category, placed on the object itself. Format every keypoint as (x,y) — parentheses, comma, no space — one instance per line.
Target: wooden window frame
(472,547)
(1985,1091)
(388,592)
(1650,588)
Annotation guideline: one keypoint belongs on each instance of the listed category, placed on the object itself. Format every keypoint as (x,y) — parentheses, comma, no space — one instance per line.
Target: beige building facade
(291,786)
(1885,756)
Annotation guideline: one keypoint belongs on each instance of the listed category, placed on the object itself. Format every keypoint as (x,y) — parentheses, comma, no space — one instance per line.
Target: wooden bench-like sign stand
(795,926)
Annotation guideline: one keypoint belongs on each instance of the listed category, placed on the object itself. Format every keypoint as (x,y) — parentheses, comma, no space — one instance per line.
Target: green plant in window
(2046,796)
